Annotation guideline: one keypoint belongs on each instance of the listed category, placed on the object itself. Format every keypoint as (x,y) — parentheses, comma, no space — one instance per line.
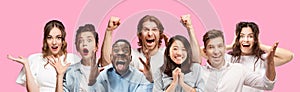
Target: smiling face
(86,44)
(54,41)
(178,52)
(246,40)
(121,57)
(150,35)
(215,50)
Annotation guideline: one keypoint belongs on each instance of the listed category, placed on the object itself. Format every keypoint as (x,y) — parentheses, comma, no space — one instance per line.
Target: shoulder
(35,56)
(73,58)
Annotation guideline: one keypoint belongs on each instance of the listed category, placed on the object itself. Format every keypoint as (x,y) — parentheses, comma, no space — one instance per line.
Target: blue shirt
(76,78)
(133,81)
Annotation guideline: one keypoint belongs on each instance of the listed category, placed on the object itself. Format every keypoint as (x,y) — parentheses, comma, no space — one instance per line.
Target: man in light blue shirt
(119,76)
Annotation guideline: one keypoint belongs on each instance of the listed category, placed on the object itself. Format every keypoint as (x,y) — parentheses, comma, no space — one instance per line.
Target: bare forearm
(31,85)
(93,76)
(270,72)
(59,83)
(106,48)
(194,44)
(172,87)
(187,88)
(282,56)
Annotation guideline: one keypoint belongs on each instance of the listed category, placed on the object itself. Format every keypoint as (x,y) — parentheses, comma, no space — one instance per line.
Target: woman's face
(54,41)
(178,53)
(86,44)
(246,40)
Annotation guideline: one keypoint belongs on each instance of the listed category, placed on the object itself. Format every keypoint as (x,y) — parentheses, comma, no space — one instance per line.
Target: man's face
(215,51)
(86,44)
(121,57)
(150,35)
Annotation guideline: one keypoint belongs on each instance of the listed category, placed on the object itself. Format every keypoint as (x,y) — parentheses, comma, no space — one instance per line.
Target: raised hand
(186,21)
(57,64)
(20,59)
(175,75)
(147,68)
(270,72)
(94,70)
(271,53)
(113,23)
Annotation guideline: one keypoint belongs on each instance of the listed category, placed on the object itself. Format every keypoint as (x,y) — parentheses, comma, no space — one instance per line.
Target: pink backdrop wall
(22,25)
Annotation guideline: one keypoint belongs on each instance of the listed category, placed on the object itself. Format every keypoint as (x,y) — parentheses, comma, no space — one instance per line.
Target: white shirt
(156,61)
(249,62)
(44,76)
(231,77)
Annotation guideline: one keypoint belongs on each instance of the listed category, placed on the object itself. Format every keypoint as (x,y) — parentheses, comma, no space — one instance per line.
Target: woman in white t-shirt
(247,50)
(37,73)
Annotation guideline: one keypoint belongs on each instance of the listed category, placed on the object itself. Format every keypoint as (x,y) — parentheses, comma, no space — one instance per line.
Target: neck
(86,62)
(150,51)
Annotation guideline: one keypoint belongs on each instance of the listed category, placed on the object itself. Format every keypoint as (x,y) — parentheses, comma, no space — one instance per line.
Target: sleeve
(34,67)
(158,83)
(199,81)
(73,58)
(259,81)
(68,80)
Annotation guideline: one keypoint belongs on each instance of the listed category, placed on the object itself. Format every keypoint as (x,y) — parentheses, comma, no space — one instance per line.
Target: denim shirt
(133,81)
(74,78)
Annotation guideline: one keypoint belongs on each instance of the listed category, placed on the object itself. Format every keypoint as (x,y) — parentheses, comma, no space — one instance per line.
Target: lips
(54,47)
(120,65)
(246,45)
(85,51)
(150,41)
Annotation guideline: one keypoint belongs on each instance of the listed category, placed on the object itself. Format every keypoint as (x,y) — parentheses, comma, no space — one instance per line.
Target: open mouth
(150,41)
(120,64)
(85,51)
(246,45)
(54,47)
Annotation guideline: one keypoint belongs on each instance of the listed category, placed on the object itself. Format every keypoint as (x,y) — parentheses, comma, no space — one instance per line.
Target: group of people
(249,66)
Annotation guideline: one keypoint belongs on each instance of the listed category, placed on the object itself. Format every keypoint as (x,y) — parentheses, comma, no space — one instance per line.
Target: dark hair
(86,28)
(48,27)
(211,34)
(169,65)
(152,19)
(125,41)
(236,49)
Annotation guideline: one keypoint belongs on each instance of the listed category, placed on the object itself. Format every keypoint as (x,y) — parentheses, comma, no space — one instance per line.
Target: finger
(141,70)
(100,69)
(67,65)
(145,65)
(11,57)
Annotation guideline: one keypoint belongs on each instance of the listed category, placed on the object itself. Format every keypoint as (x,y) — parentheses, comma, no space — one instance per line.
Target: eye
(116,50)
(89,40)
(59,37)
(154,29)
(49,37)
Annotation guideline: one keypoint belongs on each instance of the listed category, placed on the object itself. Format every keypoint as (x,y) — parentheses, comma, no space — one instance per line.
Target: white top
(231,77)
(249,62)
(156,61)
(44,76)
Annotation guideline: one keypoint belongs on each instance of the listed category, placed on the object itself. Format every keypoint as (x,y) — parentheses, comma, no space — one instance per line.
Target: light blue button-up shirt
(133,81)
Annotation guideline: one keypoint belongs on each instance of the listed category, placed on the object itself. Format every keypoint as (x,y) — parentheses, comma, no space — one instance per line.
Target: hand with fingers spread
(147,68)
(57,64)
(113,23)
(271,73)
(165,37)
(94,70)
(20,59)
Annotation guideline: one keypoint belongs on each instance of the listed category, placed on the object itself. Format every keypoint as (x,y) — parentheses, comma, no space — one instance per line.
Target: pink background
(22,25)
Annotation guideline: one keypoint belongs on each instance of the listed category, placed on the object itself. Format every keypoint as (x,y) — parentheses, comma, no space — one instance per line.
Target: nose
(84,43)
(216,51)
(54,41)
(150,33)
